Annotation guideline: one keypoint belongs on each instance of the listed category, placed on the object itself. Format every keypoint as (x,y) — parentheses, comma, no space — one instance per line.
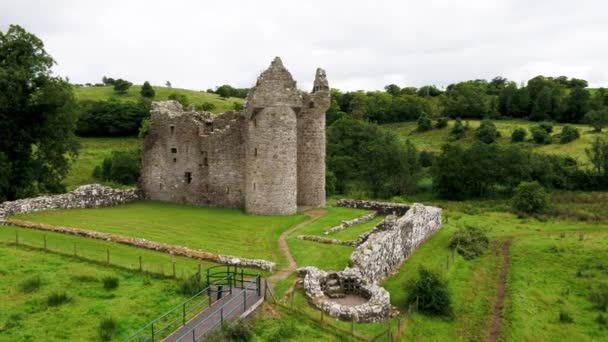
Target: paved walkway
(228,308)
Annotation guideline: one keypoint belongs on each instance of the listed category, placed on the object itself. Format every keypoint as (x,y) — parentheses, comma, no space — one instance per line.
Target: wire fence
(104,252)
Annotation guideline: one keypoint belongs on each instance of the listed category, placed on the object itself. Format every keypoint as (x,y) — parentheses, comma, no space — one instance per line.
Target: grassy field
(162,94)
(26,316)
(434,139)
(92,153)
(216,230)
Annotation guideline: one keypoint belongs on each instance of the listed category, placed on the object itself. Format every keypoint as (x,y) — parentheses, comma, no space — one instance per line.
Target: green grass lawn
(162,94)
(26,316)
(216,230)
(92,153)
(433,140)
(353,232)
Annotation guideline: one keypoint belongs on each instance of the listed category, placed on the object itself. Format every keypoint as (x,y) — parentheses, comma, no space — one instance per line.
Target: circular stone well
(346,295)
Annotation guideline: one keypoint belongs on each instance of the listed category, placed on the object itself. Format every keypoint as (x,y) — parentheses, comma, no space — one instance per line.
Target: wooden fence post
(45,246)
(108,255)
(174,269)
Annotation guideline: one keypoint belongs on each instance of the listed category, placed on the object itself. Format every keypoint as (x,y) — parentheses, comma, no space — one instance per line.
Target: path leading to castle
(313,214)
(502,290)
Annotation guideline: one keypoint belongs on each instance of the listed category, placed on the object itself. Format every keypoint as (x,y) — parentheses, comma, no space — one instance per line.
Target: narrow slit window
(255,152)
(253,186)
(175,160)
(173,150)
(227,190)
(205,162)
(172,129)
(188,177)
(255,122)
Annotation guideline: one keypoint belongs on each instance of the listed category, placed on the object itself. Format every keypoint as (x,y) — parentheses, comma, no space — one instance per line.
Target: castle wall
(271,177)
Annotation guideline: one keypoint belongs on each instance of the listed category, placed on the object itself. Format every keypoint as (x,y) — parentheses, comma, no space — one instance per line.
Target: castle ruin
(268,158)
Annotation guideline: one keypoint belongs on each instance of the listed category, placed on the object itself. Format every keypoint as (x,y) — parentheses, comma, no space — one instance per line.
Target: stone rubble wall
(329,241)
(349,223)
(151,245)
(395,239)
(86,196)
(385,208)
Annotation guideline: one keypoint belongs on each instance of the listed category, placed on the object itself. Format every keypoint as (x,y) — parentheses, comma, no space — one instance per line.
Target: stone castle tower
(268,158)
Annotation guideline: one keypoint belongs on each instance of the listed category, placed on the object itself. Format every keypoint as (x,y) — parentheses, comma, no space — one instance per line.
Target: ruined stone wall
(86,196)
(394,240)
(385,208)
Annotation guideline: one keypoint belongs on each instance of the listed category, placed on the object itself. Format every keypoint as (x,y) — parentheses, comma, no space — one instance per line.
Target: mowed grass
(92,153)
(215,230)
(26,316)
(162,94)
(433,140)
(542,280)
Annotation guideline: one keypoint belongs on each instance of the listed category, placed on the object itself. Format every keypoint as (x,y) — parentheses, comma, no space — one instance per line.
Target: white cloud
(361,44)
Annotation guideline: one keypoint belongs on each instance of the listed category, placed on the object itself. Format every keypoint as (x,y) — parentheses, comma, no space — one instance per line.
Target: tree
(121,86)
(568,134)
(107,81)
(466,99)
(507,100)
(207,106)
(598,156)
(181,98)
(598,119)
(37,118)
(237,105)
(542,108)
(530,198)
(442,122)
(487,132)
(424,123)
(458,131)
(408,108)
(577,105)
(393,89)
(147,90)
(430,90)
(429,293)
(111,118)
(168,84)
(519,135)
(540,135)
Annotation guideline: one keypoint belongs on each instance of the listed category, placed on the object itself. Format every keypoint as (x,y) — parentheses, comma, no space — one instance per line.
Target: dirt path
(291,263)
(502,287)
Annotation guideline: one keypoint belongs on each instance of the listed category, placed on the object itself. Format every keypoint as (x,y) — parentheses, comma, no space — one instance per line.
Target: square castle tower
(268,158)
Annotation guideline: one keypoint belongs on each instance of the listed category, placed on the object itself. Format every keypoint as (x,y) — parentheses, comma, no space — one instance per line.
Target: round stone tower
(271,143)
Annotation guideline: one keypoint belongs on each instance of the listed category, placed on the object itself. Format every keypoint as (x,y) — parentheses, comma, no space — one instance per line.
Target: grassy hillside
(162,94)
(434,139)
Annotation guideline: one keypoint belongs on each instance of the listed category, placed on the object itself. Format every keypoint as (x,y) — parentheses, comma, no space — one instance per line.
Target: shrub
(238,331)
(107,329)
(110,283)
(602,320)
(427,158)
(181,98)
(458,131)
(111,118)
(147,90)
(598,119)
(540,135)
(122,86)
(565,317)
(30,284)
(487,132)
(57,298)
(144,128)
(424,123)
(191,286)
(207,106)
(599,297)
(286,331)
(442,122)
(530,198)
(237,106)
(568,134)
(470,242)
(547,126)
(430,294)
(122,167)
(519,135)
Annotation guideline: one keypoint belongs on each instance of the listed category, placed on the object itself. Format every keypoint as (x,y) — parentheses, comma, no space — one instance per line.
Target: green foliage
(30,284)
(402,108)
(122,167)
(235,331)
(237,106)
(569,134)
(430,294)
(37,118)
(181,98)
(466,99)
(565,317)
(599,297)
(427,158)
(110,283)
(442,122)
(487,132)
(540,135)
(598,156)
(470,242)
(577,105)
(147,91)
(207,106)
(424,123)
(598,119)
(530,198)
(57,298)
(458,131)
(602,320)
(191,286)
(227,91)
(363,156)
(111,118)
(107,329)
(13,320)
(286,331)
(330,183)
(144,128)
(122,86)
(519,135)
(547,126)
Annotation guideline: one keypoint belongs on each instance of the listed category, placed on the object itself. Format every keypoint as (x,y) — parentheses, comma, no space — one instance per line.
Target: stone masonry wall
(385,208)
(394,240)
(86,196)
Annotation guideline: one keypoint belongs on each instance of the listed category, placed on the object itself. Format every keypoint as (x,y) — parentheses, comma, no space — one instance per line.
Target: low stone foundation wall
(321,287)
(348,223)
(86,196)
(151,245)
(394,240)
(385,208)
(328,241)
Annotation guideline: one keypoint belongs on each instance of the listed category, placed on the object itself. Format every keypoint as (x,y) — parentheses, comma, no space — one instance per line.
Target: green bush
(429,293)
(487,132)
(111,118)
(458,131)
(540,135)
(181,98)
(237,106)
(191,285)
(547,126)
(147,90)
(470,242)
(424,123)
(442,122)
(519,135)
(57,298)
(564,317)
(599,297)
(110,283)
(568,134)
(530,198)
(602,320)
(207,106)
(427,158)
(107,329)
(122,167)
(231,332)
(286,331)
(30,284)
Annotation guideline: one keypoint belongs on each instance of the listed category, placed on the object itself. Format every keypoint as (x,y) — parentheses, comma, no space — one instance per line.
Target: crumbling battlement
(268,158)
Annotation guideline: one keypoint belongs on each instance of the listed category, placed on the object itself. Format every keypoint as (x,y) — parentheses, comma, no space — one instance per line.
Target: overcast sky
(361,44)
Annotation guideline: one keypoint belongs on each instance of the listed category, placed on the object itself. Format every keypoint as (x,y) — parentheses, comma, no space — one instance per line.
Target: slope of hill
(162,94)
